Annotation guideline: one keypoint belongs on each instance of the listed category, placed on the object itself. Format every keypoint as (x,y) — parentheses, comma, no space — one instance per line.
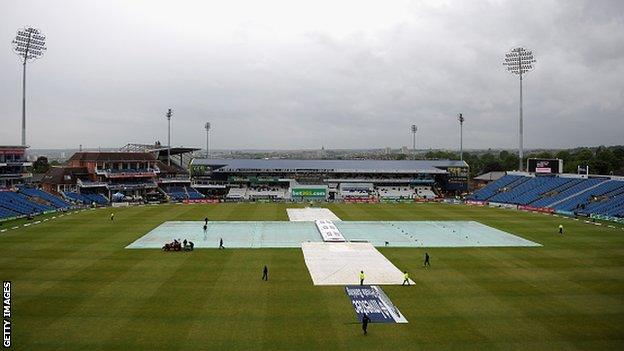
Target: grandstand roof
(159,148)
(491,176)
(338,166)
(21,147)
(112,156)
(175,150)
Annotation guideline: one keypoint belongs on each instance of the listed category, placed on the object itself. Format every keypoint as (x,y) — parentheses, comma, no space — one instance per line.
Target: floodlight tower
(168,115)
(414,129)
(207,126)
(519,61)
(29,44)
(461,120)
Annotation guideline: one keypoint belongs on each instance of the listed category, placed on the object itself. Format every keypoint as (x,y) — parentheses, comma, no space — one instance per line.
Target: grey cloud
(109,80)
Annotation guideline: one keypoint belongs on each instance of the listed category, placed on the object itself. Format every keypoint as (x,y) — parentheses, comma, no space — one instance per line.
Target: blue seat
(53,200)
(494,187)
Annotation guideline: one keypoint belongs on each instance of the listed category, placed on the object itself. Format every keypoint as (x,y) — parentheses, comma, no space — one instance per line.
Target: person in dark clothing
(427,264)
(265,273)
(560,229)
(221,244)
(191,245)
(365,321)
(206,222)
(205,228)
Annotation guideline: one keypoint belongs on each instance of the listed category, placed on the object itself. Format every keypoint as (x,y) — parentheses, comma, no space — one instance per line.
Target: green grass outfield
(75,287)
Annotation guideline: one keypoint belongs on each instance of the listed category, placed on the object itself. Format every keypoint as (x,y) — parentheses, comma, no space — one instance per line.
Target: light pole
(168,115)
(461,120)
(29,43)
(207,126)
(519,61)
(414,129)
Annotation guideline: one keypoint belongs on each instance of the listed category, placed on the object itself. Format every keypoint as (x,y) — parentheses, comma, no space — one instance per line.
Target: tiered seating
(425,193)
(75,197)
(53,200)
(610,207)
(582,196)
(493,188)
(237,193)
(578,202)
(577,186)
(6,213)
(193,194)
(177,193)
(353,193)
(395,192)
(266,192)
(606,202)
(86,199)
(97,198)
(19,203)
(530,190)
(615,207)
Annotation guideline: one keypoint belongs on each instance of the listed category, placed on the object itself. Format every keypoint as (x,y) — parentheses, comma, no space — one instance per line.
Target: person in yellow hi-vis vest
(405,278)
(362,277)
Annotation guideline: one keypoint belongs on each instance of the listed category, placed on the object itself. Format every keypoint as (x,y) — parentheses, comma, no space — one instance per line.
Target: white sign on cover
(329,231)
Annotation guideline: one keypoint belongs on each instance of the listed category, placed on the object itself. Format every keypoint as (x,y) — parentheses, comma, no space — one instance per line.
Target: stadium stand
(266,192)
(181,193)
(578,186)
(602,196)
(20,204)
(97,198)
(356,190)
(338,179)
(51,199)
(610,206)
(425,192)
(6,213)
(529,190)
(86,199)
(176,193)
(395,192)
(237,193)
(494,187)
(581,201)
(193,194)
(75,197)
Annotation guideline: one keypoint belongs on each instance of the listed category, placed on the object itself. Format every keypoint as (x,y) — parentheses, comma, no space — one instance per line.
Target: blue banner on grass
(372,301)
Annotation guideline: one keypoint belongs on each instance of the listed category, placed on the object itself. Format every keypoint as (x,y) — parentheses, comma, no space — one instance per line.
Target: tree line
(606,160)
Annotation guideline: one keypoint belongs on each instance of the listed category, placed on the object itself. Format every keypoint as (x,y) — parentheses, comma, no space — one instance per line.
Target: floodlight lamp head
(169,114)
(207,126)
(519,61)
(29,43)
(414,128)
(461,118)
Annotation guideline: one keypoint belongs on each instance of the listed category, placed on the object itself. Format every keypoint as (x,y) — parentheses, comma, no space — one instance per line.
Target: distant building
(14,167)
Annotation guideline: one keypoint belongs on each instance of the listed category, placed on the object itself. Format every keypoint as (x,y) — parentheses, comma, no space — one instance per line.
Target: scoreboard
(544,165)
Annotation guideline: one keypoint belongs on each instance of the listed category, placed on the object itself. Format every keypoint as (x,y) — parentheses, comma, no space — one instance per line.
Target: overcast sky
(305,74)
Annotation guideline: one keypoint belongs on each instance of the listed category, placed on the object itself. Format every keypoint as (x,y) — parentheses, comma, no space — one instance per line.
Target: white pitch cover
(329,231)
